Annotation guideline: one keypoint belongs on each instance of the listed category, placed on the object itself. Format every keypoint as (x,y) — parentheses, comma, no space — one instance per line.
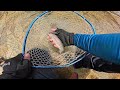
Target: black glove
(16,68)
(65,37)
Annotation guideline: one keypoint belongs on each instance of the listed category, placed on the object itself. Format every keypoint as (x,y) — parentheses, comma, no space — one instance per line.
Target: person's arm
(105,46)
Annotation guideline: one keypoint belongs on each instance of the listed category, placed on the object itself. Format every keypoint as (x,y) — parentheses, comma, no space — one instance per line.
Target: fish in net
(43,54)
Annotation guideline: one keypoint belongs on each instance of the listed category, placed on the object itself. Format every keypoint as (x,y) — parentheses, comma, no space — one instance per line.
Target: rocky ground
(13,25)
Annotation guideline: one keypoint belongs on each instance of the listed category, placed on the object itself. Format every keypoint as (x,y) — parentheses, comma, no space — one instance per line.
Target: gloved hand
(15,68)
(65,37)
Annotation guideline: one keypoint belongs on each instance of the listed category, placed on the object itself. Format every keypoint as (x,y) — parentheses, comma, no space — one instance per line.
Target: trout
(57,42)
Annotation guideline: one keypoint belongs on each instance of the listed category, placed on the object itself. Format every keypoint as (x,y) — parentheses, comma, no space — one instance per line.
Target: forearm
(105,46)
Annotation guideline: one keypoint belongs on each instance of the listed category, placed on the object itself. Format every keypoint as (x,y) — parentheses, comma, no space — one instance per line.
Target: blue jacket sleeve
(105,46)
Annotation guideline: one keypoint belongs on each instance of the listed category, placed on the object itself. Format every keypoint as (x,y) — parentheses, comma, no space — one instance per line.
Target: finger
(53,29)
(27,56)
(53,43)
(55,46)
(49,36)
(50,40)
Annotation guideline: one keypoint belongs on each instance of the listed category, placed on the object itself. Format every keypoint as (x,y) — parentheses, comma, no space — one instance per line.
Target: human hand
(16,68)
(65,37)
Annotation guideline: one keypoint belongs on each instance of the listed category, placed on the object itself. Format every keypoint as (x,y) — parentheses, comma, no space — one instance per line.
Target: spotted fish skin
(58,42)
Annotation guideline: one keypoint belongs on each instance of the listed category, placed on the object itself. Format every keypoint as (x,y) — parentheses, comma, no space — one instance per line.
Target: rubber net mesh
(41,50)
